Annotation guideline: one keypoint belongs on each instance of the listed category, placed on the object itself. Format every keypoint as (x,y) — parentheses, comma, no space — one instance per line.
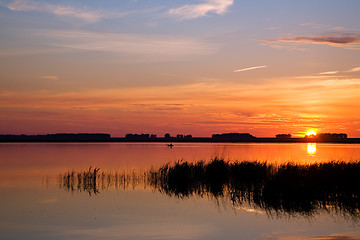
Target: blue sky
(214,55)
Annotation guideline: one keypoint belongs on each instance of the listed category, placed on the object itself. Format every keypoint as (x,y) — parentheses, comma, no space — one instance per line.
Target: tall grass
(287,188)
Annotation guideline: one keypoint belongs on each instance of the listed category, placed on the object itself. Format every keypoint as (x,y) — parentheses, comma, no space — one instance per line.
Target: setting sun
(311,133)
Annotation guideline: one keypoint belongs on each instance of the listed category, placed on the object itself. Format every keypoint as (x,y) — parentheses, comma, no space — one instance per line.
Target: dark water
(132,200)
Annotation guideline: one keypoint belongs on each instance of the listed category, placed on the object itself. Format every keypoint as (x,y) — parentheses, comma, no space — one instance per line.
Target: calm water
(34,206)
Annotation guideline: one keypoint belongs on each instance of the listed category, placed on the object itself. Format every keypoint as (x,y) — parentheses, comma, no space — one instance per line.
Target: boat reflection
(311,149)
(278,190)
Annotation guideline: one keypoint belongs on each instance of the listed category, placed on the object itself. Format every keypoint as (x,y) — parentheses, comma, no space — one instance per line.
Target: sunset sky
(182,66)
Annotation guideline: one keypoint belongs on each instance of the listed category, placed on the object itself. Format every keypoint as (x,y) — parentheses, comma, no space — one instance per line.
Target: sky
(181,67)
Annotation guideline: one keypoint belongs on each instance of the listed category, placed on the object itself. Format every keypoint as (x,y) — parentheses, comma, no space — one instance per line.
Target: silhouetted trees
(283,136)
(233,137)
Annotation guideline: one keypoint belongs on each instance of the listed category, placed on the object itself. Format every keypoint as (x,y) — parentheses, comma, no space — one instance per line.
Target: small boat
(170,145)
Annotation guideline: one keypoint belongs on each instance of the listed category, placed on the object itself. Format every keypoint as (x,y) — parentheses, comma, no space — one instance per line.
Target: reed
(287,188)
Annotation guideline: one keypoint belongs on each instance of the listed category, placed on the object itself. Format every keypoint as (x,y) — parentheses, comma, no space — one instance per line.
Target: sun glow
(311,149)
(311,133)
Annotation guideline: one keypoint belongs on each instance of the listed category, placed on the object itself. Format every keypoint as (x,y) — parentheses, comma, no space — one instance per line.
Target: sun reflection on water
(311,149)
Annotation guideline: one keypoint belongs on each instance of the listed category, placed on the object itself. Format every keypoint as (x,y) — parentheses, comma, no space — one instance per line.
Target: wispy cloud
(199,10)
(329,73)
(82,13)
(334,39)
(127,43)
(249,68)
(279,104)
(323,76)
(314,25)
(55,78)
(356,69)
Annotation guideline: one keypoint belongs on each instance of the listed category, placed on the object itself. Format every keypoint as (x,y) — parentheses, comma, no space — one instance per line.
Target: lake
(40,201)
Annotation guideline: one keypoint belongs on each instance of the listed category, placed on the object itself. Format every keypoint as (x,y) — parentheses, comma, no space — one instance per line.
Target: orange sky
(201,68)
(278,106)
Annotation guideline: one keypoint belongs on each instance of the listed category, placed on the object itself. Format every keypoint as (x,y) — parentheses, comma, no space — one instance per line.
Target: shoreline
(70,138)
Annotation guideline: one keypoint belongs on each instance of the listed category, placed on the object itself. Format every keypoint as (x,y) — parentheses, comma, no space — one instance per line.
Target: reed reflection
(311,149)
(91,181)
(278,190)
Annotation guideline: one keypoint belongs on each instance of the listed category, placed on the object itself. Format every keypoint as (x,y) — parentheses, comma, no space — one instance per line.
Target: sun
(311,133)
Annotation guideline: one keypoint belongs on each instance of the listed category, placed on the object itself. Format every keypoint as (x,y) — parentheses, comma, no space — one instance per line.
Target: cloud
(55,78)
(83,14)
(334,39)
(314,25)
(202,9)
(329,73)
(127,43)
(356,69)
(278,104)
(249,68)
(323,76)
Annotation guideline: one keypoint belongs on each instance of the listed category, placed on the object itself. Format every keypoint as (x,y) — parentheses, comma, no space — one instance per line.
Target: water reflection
(278,190)
(92,182)
(311,149)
